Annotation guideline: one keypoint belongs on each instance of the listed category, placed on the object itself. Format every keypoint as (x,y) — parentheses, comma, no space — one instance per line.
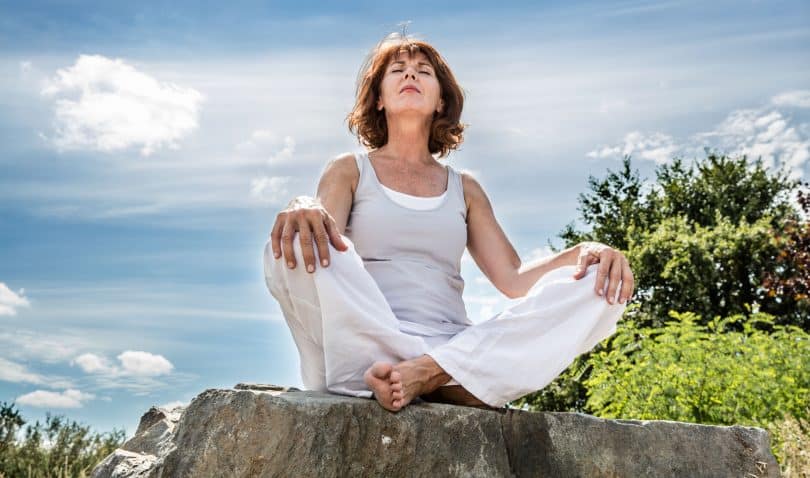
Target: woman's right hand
(311,220)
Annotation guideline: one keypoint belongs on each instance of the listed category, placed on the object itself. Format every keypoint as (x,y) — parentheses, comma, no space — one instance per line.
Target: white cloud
(144,363)
(25,67)
(796,98)
(38,345)
(92,363)
(270,189)
(70,398)
(108,105)
(14,372)
(10,301)
(658,147)
(132,363)
(762,133)
(17,373)
(766,132)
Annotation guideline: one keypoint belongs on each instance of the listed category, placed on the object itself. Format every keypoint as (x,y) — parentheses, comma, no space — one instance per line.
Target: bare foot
(386,384)
(455,395)
(395,386)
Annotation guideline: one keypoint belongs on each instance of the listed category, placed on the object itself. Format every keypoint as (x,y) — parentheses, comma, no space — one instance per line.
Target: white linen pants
(341,324)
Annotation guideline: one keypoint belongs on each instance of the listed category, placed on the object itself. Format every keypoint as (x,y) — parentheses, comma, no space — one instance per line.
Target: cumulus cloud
(144,363)
(762,133)
(766,132)
(70,398)
(92,363)
(131,363)
(11,301)
(108,105)
(658,147)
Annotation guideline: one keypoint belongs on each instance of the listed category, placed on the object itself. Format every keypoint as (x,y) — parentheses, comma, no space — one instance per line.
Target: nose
(409,69)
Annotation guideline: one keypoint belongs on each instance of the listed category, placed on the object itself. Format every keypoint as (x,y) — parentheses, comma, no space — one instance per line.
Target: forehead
(406,56)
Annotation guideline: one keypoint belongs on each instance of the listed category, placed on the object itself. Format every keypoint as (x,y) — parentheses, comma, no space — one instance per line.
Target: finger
(627,282)
(287,233)
(601,276)
(581,266)
(334,235)
(615,278)
(307,251)
(322,242)
(275,236)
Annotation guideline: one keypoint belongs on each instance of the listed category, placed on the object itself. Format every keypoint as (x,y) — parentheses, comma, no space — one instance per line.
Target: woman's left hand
(612,265)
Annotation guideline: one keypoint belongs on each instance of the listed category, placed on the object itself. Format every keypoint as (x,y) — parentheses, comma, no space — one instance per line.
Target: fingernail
(325,262)
(599,292)
(290,265)
(310,268)
(276,255)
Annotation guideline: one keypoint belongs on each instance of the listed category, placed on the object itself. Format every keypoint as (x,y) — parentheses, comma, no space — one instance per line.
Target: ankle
(434,375)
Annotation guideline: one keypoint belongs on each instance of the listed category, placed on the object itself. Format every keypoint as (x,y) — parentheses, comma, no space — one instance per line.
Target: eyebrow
(421,63)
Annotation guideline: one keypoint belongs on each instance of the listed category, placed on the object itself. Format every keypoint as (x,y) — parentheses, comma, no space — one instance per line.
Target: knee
(335,256)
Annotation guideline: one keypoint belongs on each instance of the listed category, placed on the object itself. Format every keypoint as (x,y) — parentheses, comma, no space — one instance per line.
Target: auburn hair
(369,124)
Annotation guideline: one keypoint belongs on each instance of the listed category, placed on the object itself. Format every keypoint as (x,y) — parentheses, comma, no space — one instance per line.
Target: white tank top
(413,202)
(414,255)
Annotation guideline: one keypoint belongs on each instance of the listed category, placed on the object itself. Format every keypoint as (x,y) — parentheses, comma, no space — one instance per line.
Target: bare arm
(494,253)
(336,188)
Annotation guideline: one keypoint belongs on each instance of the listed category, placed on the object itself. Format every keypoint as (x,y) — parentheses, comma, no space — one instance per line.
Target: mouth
(409,88)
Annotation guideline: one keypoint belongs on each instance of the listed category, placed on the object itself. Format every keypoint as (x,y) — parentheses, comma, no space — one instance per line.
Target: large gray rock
(256,430)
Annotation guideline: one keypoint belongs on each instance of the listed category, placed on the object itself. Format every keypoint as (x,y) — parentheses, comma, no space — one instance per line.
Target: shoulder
(343,168)
(473,191)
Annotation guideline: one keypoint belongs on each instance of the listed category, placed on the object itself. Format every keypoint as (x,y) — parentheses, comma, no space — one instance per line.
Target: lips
(410,87)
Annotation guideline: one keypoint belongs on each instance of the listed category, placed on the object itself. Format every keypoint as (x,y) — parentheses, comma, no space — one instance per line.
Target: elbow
(512,293)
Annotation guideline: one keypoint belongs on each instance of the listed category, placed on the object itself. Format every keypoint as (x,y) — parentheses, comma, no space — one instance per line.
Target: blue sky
(145,149)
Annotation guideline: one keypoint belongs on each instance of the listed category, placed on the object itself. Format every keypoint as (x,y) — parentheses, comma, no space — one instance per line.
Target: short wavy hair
(369,124)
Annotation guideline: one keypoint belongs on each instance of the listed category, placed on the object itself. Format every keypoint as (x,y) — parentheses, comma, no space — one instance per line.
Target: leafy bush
(709,374)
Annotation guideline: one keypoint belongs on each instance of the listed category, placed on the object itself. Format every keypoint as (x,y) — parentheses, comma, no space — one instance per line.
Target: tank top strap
(455,182)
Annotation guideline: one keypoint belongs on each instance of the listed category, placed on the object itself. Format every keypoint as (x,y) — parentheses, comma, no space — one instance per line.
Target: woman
(378,310)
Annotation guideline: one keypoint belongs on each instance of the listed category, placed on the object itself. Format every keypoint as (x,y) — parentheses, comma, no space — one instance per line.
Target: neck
(408,142)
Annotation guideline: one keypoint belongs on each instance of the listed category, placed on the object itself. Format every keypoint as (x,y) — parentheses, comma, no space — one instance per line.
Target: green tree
(701,238)
(714,238)
(55,448)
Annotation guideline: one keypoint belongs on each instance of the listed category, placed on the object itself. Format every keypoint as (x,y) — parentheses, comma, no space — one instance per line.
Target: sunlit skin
(405,164)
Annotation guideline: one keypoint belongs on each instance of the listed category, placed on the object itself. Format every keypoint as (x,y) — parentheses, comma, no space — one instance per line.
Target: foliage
(710,270)
(718,238)
(710,374)
(789,283)
(57,448)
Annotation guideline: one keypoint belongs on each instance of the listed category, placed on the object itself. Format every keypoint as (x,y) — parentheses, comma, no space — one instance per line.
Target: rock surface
(267,430)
